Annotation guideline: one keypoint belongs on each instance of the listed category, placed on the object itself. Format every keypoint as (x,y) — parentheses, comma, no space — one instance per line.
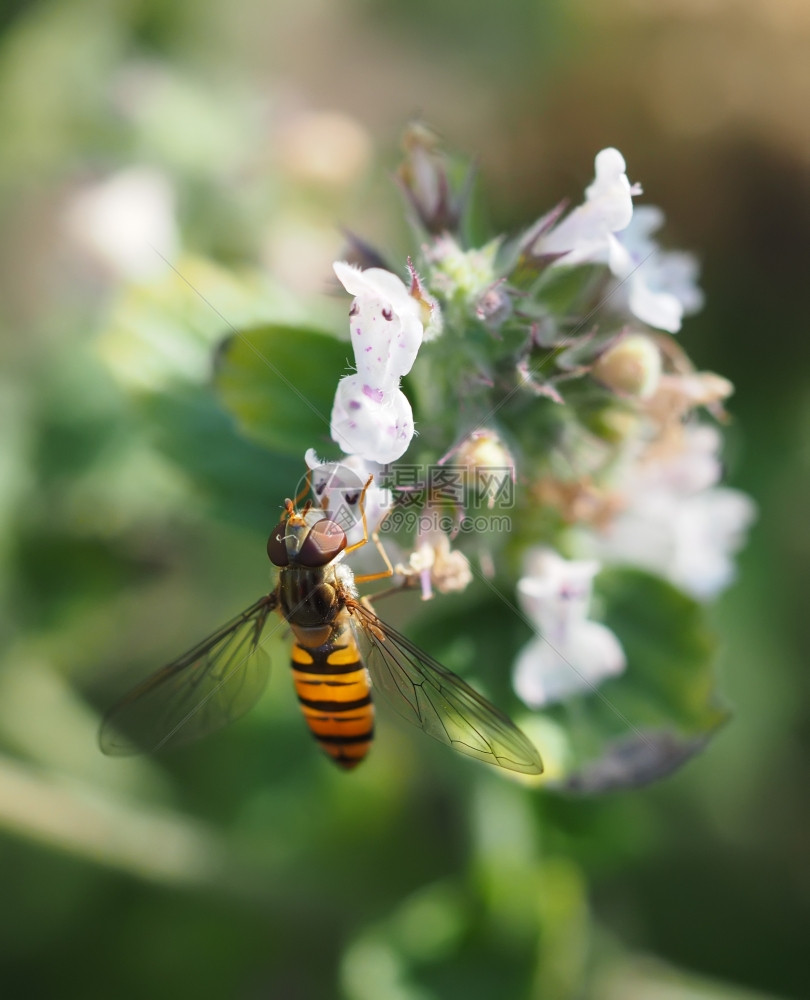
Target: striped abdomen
(334,691)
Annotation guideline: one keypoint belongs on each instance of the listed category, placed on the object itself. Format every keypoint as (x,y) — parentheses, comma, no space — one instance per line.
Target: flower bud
(489,463)
(465,276)
(423,176)
(495,306)
(630,367)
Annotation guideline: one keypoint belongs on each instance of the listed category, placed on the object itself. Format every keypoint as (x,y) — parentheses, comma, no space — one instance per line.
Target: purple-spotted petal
(378,429)
(385,324)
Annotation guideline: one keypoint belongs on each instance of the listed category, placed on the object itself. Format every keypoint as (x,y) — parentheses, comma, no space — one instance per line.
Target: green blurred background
(132,516)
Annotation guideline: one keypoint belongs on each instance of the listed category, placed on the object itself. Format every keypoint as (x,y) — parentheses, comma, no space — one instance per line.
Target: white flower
(690,468)
(127,221)
(338,488)
(658,286)
(371,416)
(571,654)
(438,565)
(710,528)
(677,523)
(586,234)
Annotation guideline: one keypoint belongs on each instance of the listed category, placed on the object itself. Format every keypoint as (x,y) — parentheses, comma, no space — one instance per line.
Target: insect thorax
(312,599)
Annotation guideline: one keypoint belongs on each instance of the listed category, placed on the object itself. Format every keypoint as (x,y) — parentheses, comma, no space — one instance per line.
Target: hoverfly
(340,649)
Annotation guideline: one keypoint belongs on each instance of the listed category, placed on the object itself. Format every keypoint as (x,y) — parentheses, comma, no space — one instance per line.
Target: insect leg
(362,505)
(383,574)
(389,569)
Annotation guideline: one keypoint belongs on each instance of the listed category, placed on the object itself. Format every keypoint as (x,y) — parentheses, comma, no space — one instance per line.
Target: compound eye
(276,547)
(326,539)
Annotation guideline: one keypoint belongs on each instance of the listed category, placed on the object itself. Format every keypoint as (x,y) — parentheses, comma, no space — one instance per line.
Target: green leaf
(669,650)
(279,383)
(240,480)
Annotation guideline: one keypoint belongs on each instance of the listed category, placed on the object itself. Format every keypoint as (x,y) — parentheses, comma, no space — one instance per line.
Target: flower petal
(660,310)
(584,234)
(385,323)
(612,190)
(659,286)
(339,488)
(376,283)
(710,529)
(546,673)
(378,427)
(555,592)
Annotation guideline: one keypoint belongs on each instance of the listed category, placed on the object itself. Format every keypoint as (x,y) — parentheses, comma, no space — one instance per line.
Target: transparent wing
(425,693)
(206,688)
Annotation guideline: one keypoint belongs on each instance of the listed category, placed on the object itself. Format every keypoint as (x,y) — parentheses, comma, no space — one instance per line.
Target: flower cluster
(674,520)
(544,362)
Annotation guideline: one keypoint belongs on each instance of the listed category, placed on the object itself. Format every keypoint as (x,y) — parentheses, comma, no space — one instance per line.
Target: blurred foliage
(133,512)
(279,382)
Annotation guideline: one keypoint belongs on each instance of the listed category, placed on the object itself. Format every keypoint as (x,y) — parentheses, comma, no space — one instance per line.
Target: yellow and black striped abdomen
(334,691)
